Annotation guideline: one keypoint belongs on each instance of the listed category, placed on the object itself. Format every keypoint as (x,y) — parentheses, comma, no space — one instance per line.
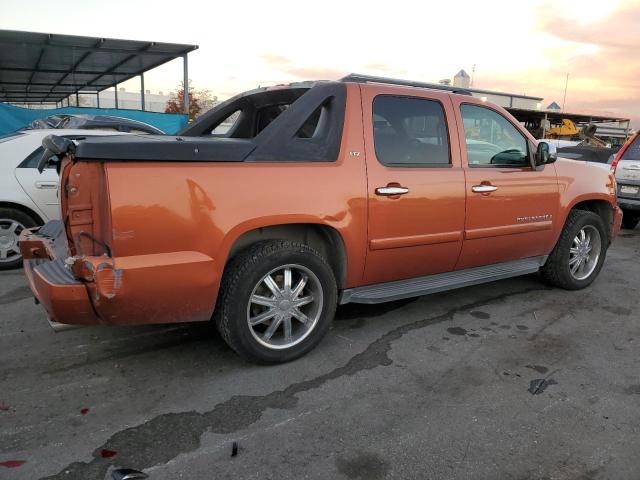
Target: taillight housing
(620,153)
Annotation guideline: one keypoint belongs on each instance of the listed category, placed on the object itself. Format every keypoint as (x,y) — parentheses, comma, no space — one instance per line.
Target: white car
(28,198)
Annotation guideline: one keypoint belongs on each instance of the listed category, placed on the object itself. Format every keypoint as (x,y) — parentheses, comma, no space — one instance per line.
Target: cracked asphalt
(510,380)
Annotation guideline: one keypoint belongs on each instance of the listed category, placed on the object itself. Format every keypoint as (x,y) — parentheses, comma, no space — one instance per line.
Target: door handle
(46,185)
(483,188)
(391,191)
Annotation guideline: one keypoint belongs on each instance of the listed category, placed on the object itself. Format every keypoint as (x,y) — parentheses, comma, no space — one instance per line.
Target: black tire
(557,271)
(630,220)
(7,216)
(244,273)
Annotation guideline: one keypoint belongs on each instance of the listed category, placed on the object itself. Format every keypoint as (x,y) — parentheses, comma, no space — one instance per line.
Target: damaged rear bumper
(140,289)
(63,296)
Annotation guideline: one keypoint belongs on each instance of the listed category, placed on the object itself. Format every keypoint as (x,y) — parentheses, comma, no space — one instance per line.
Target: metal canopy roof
(524,115)
(42,67)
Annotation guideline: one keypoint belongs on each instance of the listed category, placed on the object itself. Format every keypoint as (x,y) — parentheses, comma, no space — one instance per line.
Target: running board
(415,287)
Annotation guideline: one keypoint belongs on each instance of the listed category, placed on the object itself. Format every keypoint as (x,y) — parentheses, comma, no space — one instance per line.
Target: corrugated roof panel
(62,64)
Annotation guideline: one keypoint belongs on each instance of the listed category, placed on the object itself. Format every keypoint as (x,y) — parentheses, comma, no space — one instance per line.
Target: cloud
(314,73)
(273,59)
(617,30)
(383,68)
(285,66)
(601,57)
(597,48)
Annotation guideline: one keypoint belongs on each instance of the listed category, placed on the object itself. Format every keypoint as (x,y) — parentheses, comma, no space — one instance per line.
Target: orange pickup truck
(282,202)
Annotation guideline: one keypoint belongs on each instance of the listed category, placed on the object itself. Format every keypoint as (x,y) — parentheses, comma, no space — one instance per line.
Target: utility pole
(185,88)
(564,100)
(473,74)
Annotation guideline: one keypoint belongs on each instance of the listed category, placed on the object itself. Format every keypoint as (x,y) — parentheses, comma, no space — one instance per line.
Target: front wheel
(276,302)
(579,254)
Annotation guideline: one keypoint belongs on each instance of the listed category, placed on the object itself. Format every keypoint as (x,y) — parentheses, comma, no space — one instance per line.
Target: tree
(199,101)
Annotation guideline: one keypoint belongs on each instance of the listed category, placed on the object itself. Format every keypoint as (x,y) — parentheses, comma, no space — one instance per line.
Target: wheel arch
(26,210)
(321,237)
(600,207)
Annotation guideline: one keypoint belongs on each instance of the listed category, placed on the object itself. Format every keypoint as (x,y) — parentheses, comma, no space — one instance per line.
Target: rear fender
(352,249)
(155,288)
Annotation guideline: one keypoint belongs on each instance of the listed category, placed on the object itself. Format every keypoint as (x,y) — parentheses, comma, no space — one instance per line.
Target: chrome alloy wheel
(285,306)
(585,252)
(9,233)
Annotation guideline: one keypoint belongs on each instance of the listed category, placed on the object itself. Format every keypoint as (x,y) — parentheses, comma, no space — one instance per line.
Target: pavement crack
(552,321)
(168,435)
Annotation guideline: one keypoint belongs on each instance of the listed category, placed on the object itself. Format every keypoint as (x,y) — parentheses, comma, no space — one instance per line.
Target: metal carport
(48,68)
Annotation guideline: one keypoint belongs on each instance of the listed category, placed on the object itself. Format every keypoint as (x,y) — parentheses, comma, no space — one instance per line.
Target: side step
(415,287)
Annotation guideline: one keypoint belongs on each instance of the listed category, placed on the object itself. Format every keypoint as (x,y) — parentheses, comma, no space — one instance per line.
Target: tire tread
(242,263)
(554,271)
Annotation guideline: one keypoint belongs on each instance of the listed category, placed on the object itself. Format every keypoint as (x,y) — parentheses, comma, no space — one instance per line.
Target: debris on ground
(128,474)
(12,463)
(539,385)
(108,453)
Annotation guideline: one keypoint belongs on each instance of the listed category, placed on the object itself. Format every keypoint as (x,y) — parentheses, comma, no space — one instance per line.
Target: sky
(517,46)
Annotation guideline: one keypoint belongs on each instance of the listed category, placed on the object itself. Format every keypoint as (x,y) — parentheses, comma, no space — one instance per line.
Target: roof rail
(358,78)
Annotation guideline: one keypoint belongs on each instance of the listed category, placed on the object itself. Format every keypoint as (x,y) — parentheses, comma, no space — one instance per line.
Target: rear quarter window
(34,158)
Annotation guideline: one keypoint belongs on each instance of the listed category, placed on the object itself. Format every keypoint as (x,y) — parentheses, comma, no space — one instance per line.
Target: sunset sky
(517,46)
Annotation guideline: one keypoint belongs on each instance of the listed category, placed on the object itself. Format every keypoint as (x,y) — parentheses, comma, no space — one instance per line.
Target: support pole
(98,99)
(77,99)
(142,91)
(116,95)
(185,95)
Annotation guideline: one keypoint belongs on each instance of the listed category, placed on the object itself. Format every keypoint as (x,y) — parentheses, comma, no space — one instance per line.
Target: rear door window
(34,158)
(410,131)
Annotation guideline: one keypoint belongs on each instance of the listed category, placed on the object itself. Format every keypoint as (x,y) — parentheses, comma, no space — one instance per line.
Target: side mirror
(545,154)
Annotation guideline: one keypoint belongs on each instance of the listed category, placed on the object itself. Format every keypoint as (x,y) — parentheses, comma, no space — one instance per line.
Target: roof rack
(358,78)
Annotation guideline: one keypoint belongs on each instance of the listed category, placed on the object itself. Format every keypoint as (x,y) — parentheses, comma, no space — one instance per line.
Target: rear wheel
(276,301)
(579,254)
(630,220)
(12,222)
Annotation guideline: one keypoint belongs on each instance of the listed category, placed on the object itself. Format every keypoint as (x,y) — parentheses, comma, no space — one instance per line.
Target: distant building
(154,102)
(462,79)
(528,110)
(506,100)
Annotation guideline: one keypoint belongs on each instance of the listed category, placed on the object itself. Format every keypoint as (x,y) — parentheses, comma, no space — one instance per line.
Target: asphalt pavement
(509,380)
